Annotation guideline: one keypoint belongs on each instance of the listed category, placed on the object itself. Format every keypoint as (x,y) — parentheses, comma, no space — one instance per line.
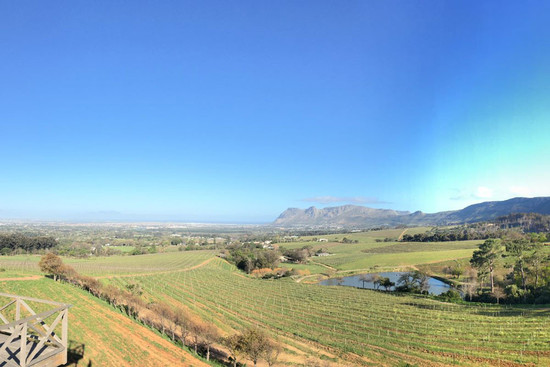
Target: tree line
(449,235)
(508,225)
(177,324)
(20,243)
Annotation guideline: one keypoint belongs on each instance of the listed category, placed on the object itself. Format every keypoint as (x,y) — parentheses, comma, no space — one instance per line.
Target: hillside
(99,335)
(360,216)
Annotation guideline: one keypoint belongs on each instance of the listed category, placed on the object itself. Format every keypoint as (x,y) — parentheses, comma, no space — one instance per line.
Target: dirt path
(298,280)
(401,235)
(32,277)
(323,265)
(157,272)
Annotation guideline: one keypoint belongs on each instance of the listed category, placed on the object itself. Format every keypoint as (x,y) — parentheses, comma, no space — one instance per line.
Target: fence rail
(26,339)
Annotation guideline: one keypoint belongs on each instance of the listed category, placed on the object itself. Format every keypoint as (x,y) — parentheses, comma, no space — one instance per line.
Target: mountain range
(355,216)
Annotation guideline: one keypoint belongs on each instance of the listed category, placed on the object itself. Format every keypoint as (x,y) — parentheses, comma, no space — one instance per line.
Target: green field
(368,254)
(98,334)
(338,325)
(105,266)
(380,328)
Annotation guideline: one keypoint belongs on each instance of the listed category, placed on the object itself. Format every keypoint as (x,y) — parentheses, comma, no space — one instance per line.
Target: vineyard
(106,266)
(332,325)
(360,327)
(99,335)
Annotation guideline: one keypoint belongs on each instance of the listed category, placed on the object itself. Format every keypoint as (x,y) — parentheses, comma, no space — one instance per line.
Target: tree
(457,271)
(210,335)
(271,353)
(386,283)
(517,248)
(470,288)
(376,280)
(535,262)
(176,241)
(372,278)
(183,320)
(235,344)
(487,258)
(498,293)
(165,316)
(51,264)
(405,282)
(255,342)
(198,329)
(364,279)
(423,281)
(413,281)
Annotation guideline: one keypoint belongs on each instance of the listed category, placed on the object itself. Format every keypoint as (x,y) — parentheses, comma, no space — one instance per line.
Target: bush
(450,296)
(544,297)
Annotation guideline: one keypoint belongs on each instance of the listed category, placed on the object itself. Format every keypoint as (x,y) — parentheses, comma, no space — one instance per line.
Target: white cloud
(344,199)
(483,192)
(520,191)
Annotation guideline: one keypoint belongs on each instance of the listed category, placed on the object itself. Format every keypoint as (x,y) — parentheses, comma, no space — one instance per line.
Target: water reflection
(368,281)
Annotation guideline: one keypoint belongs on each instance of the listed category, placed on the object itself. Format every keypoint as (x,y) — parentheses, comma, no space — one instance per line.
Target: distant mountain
(359,216)
(493,209)
(346,215)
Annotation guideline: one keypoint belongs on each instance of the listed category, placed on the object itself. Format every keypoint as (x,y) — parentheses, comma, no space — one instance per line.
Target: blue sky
(234,111)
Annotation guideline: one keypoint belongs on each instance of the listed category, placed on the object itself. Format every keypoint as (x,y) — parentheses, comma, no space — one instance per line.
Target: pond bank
(369,281)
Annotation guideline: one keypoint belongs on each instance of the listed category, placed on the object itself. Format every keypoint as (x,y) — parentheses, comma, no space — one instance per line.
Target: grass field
(101,336)
(356,326)
(339,325)
(368,254)
(112,265)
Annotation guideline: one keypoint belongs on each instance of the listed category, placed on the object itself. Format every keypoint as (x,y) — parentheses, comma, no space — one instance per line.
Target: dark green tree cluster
(253,343)
(413,282)
(526,222)
(529,278)
(13,243)
(500,227)
(453,234)
(298,255)
(249,258)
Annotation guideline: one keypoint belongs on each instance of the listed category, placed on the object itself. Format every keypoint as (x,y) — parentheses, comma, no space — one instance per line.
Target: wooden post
(17,308)
(23,350)
(47,340)
(65,333)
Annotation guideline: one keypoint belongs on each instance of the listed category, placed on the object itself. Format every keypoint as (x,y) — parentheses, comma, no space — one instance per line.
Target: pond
(436,286)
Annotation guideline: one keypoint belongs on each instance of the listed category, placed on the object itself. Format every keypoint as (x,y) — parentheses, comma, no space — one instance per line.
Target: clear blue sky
(234,111)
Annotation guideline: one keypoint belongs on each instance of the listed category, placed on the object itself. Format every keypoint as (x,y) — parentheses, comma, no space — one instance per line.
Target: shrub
(450,296)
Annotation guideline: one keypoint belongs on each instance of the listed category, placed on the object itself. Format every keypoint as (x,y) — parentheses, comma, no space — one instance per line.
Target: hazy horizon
(233,112)
(119,217)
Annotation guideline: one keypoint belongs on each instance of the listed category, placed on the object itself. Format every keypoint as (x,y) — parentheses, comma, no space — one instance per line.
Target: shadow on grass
(75,353)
